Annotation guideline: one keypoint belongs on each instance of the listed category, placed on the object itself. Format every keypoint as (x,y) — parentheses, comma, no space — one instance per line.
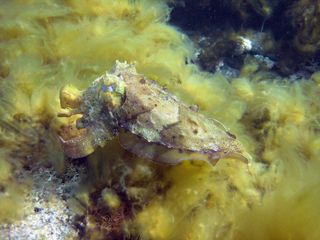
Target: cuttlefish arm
(79,146)
(86,141)
(80,141)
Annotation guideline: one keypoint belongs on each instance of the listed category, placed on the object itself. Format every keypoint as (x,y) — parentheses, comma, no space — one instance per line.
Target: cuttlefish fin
(159,153)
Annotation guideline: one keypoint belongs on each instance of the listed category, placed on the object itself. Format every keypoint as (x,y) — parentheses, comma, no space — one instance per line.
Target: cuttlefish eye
(106,88)
(111,94)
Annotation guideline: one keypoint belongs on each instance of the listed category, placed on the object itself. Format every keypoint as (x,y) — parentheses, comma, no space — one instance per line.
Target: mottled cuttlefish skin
(150,122)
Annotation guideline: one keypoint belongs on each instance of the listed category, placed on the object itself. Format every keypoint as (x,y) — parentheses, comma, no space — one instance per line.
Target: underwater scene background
(253,65)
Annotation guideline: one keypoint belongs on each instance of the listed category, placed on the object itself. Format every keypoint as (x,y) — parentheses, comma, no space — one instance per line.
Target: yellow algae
(11,200)
(243,88)
(47,44)
(316,77)
(5,170)
(200,200)
(11,193)
(110,198)
(290,212)
(157,221)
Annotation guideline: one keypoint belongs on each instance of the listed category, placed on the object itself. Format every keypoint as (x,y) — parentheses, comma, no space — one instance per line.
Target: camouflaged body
(152,122)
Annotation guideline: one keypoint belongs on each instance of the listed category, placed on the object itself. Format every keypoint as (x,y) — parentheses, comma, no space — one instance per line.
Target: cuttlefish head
(96,110)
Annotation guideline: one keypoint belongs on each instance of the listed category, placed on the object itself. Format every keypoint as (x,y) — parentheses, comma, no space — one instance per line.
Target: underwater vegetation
(114,193)
(282,32)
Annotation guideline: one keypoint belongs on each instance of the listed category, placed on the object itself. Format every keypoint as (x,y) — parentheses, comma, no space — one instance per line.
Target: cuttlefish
(151,122)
